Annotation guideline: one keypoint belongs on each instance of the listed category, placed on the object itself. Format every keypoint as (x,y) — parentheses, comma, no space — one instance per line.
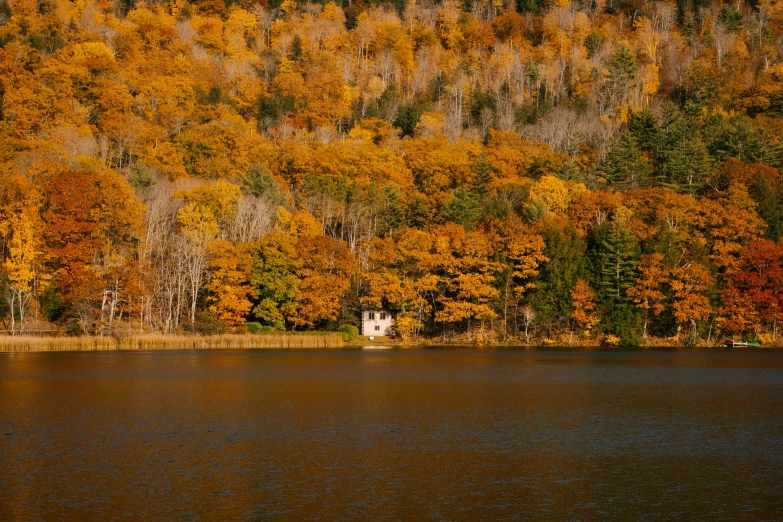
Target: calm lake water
(392,435)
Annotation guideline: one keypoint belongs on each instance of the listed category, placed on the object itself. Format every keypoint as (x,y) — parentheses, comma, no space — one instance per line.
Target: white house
(376,322)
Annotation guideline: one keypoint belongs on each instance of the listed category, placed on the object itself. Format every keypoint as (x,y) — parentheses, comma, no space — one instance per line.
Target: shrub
(349,332)
(254,328)
(74,329)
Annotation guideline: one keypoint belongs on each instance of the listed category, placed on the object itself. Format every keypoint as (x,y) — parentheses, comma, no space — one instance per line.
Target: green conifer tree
(551,297)
(482,176)
(418,213)
(615,258)
(645,130)
(687,166)
(465,209)
(395,215)
(624,166)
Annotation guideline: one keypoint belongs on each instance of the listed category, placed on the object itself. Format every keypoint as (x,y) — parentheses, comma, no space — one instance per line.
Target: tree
(737,312)
(21,268)
(647,293)
(620,75)
(583,305)
(625,166)
(92,229)
(687,166)
(274,279)
(551,297)
(468,274)
(208,211)
(755,292)
(324,277)
(228,290)
(645,130)
(689,284)
(521,253)
(615,258)
(464,209)
(528,316)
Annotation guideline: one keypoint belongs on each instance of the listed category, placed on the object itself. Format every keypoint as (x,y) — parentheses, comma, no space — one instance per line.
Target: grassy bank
(171,342)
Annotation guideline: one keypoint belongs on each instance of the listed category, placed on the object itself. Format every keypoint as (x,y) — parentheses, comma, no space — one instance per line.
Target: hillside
(598,172)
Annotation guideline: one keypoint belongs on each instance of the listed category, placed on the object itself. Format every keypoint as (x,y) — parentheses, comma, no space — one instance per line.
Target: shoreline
(298,340)
(22,344)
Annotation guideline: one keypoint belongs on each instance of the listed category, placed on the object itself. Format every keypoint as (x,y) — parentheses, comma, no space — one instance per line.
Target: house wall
(372,324)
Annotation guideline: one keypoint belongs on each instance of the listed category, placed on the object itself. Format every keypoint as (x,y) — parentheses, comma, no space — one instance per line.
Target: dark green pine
(625,166)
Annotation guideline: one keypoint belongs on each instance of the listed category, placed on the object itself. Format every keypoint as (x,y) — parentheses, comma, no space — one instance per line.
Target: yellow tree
(689,284)
(468,273)
(583,304)
(647,294)
(523,250)
(327,266)
(21,267)
(230,267)
(208,208)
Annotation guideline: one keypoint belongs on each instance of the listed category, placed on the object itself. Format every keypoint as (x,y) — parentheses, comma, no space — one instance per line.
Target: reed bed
(171,342)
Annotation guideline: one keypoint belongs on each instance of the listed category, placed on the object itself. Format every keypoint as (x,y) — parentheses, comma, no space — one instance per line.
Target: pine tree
(259,183)
(395,217)
(645,130)
(418,213)
(592,43)
(673,128)
(482,176)
(625,166)
(622,67)
(615,259)
(551,297)
(465,208)
(769,195)
(687,166)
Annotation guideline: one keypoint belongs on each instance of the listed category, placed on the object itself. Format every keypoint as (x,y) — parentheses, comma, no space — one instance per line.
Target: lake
(424,434)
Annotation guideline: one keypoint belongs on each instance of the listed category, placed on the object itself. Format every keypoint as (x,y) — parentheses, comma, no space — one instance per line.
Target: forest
(603,172)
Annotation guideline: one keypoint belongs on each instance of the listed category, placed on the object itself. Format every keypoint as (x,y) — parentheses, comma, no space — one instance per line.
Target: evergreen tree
(551,298)
(645,130)
(736,137)
(769,195)
(622,67)
(673,129)
(688,28)
(731,18)
(592,43)
(418,213)
(687,166)
(406,120)
(296,48)
(615,257)
(259,183)
(395,216)
(464,209)
(482,177)
(625,166)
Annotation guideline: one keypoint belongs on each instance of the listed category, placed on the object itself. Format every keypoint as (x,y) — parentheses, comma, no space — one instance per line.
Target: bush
(349,332)
(254,328)
(206,324)
(74,329)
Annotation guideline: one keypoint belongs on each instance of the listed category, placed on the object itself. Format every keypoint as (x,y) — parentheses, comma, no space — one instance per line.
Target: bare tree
(528,316)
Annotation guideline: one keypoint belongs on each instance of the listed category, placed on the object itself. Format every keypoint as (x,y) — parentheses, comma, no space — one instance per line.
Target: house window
(383,316)
(371,315)
(377,328)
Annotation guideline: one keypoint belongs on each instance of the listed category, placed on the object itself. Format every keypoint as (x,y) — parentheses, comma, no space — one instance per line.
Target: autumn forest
(584,172)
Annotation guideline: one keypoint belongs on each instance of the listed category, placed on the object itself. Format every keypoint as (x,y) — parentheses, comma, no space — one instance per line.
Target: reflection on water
(391,435)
